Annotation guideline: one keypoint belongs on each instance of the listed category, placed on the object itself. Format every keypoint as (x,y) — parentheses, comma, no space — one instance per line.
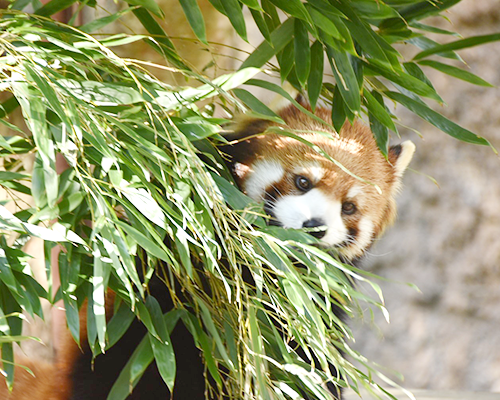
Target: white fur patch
(293,210)
(407,150)
(314,171)
(362,241)
(263,174)
(356,190)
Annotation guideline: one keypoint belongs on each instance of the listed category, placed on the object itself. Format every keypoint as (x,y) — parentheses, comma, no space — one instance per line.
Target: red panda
(301,188)
(346,204)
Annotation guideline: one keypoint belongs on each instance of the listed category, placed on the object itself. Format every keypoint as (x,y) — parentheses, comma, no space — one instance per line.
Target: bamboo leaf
(279,39)
(323,22)
(302,52)
(54,6)
(315,81)
(234,12)
(149,5)
(100,23)
(456,72)
(252,4)
(195,18)
(407,81)
(133,370)
(261,24)
(377,108)
(458,45)
(293,7)
(345,78)
(286,59)
(256,105)
(438,120)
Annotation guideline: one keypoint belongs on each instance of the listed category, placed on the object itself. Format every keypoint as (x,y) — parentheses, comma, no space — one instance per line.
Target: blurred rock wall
(447,238)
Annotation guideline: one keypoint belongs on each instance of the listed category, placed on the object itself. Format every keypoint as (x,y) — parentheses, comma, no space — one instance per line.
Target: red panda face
(303,189)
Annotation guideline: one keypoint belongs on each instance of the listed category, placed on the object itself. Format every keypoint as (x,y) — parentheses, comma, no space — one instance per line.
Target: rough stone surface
(447,238)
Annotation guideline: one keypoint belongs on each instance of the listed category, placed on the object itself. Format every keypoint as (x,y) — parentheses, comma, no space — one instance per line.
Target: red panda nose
(315,223)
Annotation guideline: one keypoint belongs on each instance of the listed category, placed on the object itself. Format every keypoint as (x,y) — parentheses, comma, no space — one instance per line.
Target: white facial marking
(312,170)
(354,191)
(362,240)
(263,174)
(293,210)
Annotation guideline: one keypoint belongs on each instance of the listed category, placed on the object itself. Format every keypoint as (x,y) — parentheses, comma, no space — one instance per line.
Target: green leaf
(315,81)
(380,120)
(54,6)
(195,18)
(261,24)
(145,242)
(433,29)
(438,120)
(302,52)
(456,72)
(293,7)
(262,54)
(252,4)
(458,45)
(286,59)
(100,23)
(162,44)
(417,11)
(377,108)
(324,23)
(133,370)
(256,105)
(119,323)
(99,282)
(425,43)
(150,5)
(373,9)
(165,360)
(407,81)
(345,78)
(145,204)
(339,114)
(234,12)
(101,93)
(162,346)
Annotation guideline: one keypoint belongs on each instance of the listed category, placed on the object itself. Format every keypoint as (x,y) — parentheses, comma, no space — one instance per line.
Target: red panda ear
(400,156)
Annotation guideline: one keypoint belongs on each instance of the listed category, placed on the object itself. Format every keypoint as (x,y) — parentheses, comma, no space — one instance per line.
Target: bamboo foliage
(145,180)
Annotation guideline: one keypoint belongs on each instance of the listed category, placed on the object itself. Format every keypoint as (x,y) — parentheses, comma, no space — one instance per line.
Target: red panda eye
(303,183)
(348,208)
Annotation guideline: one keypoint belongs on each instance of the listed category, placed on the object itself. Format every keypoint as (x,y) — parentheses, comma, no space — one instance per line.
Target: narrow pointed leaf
(256,105)
(458,45)
(345,78)
(456,72)
(195,18)
(53,7)
(379,111)
(252,4)
(262,54)
(438,120)
(261,24)
(234,12)
(315,81)
(302,52)
(293,7)
(407,81)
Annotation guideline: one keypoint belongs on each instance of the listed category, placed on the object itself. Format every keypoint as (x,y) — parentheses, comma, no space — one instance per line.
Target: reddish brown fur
(52,381)
(354,148)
